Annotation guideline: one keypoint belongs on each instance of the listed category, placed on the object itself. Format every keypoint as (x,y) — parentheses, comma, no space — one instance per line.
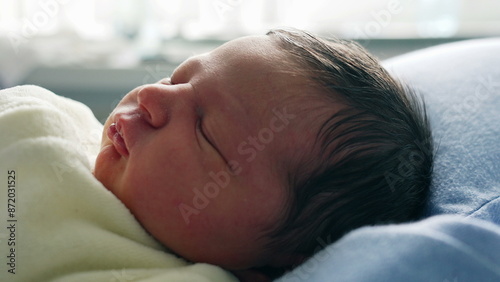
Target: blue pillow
(461,85)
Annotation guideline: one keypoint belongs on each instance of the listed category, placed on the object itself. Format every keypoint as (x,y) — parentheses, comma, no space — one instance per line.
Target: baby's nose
(159,101)
(153,101)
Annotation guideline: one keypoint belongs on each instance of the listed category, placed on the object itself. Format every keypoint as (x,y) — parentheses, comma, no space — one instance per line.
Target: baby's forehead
(261,50)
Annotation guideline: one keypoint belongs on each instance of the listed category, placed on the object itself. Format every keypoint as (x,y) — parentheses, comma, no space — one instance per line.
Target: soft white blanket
(57,222)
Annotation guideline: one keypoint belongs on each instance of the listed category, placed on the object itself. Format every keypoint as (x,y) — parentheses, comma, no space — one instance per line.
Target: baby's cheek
(148,198)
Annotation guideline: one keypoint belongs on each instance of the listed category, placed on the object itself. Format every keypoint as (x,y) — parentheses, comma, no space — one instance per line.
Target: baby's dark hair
(372,160)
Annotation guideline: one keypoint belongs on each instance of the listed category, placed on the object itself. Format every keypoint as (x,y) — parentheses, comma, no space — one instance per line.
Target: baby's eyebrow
(186,69)
(173,77)
(166,81)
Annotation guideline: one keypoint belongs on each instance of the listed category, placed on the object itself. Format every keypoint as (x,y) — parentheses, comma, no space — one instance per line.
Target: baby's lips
(116,138)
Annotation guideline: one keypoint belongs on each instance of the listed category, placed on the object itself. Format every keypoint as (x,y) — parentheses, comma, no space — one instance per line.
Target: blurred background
(95,51)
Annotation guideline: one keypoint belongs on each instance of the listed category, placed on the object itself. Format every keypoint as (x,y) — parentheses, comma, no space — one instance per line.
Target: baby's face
(199,159)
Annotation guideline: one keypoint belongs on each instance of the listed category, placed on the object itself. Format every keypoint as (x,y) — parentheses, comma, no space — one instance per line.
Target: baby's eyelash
(200,128)
(199,124)
(198,131)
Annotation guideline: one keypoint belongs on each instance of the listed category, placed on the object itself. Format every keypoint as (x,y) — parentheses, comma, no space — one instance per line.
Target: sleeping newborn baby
(253,155)
(200,159)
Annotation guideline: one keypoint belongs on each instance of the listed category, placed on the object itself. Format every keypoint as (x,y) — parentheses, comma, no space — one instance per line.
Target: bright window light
(220,19)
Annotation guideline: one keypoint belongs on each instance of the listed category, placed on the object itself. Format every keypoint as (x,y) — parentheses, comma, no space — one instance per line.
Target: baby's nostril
(145,114)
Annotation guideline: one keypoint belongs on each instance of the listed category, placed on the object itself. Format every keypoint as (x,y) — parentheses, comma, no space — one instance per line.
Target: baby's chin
(107,166)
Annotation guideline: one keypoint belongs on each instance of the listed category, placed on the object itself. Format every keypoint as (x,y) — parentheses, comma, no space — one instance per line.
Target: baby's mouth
(116,138)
